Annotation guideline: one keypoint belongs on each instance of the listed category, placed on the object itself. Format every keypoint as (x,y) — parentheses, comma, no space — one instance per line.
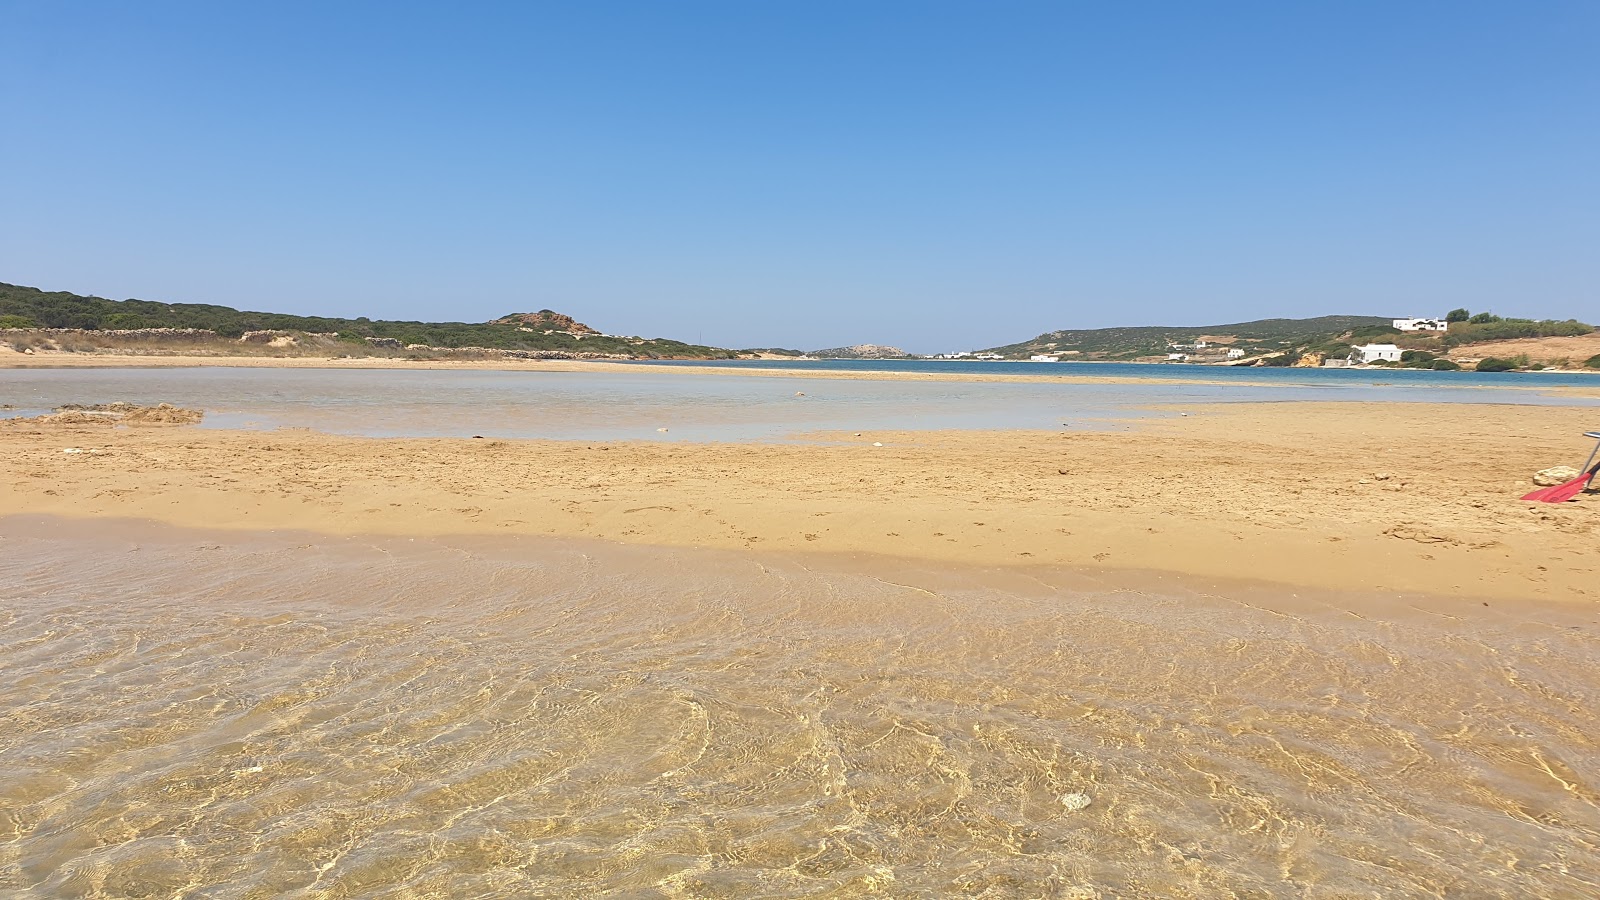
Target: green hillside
(1260,336)
(27,307)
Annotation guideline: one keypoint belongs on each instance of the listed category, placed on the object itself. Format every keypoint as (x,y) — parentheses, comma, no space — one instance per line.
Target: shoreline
(19,361)
(1312,495)
(914,574)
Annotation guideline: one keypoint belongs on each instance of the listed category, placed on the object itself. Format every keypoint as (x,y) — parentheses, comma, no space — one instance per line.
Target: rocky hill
(862,351)
(545,320)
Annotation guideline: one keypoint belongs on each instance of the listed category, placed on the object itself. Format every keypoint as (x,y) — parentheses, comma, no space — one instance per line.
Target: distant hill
(771,351)
(1258,337)
(862,351)
(545,320)
(28,307)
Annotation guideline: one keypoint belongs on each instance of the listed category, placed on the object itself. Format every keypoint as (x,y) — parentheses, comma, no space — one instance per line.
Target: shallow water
(634,401)
(187,716)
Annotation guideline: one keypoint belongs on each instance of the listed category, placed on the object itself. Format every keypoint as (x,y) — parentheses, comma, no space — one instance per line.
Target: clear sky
(808,174)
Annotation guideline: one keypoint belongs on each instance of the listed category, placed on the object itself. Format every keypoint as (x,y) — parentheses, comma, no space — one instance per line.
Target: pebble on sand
(1075,801)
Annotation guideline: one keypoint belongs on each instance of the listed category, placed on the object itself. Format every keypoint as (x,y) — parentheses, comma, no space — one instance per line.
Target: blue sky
(807,174)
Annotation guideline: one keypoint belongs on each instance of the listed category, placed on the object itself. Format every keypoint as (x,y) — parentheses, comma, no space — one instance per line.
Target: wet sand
(1379,497)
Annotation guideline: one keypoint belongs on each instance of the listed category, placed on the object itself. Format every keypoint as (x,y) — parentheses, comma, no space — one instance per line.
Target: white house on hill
(1421,324)
(1370,353)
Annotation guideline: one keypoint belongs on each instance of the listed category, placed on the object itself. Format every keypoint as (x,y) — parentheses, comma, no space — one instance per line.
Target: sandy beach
(1380,497)
(1248,648)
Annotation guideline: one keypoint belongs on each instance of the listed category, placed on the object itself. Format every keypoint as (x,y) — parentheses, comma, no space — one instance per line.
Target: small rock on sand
(1555,475)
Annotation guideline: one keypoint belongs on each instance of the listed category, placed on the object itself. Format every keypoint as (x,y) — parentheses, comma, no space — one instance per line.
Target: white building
(1371,353)
(1039,357)
(1177,357)
(1421,324)
(1235,353)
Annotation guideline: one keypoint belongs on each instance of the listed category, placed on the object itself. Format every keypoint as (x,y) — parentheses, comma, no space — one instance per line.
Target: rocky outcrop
(863,351)
(116,414)
(544,320)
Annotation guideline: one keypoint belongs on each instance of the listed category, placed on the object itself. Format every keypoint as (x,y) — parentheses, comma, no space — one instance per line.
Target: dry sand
(1574,349)
(1381,497)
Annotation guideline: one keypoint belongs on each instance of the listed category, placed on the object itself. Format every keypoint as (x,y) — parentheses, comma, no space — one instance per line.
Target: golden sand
(1380,497)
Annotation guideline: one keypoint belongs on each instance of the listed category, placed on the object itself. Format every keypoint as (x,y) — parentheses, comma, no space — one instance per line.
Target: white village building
(1421,324)
(1371,353)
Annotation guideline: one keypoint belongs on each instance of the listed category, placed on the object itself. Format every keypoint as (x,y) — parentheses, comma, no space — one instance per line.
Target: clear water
(288,715)
(633,402)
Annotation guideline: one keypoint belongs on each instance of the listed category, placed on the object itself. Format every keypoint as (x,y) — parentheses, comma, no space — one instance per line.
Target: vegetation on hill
(1487,327)
(1255,338)
(27,307)
(1286,342)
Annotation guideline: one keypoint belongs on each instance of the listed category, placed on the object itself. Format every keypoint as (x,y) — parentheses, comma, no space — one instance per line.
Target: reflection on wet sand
(358,716)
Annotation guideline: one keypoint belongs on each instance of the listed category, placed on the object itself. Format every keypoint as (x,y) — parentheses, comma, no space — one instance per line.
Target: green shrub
(1457,315)
(1494,364)
(1362,334)
(1509,329)
(1445,365)
(17,322)
(1592,362)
